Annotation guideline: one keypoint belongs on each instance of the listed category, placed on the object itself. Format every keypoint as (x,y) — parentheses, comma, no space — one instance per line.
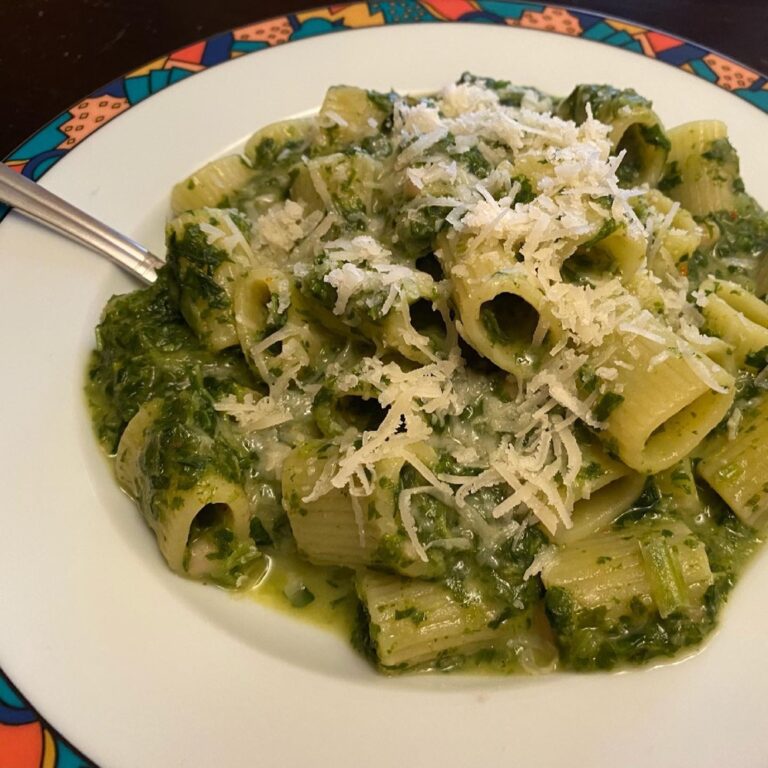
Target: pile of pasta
(495,355)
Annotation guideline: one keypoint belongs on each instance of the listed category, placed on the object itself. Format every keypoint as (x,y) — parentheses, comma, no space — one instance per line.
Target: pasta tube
(736,316)
(664,400)
(703,167)
(604,489)
(332,527)
(212,186)
(610,570)
(208,250)
(418,624)
(502,313)
(280,142)
(398,309)
(736,465)
(186,484)
(636,129)
(351,115)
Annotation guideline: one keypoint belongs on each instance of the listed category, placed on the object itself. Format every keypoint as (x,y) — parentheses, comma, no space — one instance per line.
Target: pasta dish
(481,372)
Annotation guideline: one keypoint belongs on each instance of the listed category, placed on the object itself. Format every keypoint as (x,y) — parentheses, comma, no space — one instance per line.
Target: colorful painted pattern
(27,741)
(47,146)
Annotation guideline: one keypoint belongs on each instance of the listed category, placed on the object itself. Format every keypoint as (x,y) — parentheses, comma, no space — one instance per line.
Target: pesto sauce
(587,640)
(738,249)
(605,101)
(145,350)
(187,440)
(590,640)
(334,602)
(194,263)
(671,179)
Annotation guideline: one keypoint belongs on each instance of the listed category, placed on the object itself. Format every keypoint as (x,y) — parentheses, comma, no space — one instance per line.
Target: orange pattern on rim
(272,32)
(729,74)
(89,115)
(552,20)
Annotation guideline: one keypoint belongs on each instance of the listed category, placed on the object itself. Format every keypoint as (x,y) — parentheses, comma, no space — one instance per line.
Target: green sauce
(334,602)
(738,248)
(159,355)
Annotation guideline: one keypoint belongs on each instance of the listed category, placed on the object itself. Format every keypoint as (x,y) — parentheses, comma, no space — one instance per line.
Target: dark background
(54,52)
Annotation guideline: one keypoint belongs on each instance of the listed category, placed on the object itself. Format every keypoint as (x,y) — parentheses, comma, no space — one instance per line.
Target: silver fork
(32,200)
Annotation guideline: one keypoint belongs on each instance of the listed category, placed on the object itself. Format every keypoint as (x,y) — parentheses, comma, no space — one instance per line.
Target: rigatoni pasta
(483,368)
(703,167)
(734,463)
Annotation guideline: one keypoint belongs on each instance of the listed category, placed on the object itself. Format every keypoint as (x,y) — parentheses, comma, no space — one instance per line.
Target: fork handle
(43,206)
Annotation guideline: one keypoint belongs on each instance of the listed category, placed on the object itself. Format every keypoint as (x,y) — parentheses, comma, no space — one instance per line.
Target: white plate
(140,668)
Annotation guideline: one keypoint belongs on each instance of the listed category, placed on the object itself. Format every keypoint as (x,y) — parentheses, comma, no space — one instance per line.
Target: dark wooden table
(56,51)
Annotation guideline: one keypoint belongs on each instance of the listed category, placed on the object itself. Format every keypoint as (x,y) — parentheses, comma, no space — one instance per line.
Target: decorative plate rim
(27,736)
(46,146)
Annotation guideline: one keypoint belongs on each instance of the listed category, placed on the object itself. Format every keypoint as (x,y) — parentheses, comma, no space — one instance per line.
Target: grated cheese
(534,455)
(733,423)
(226,234)
(254,414)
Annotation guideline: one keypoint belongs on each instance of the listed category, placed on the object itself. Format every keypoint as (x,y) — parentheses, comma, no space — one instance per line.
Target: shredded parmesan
(513,187)
(733,423)
(254,414)
(225,233)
